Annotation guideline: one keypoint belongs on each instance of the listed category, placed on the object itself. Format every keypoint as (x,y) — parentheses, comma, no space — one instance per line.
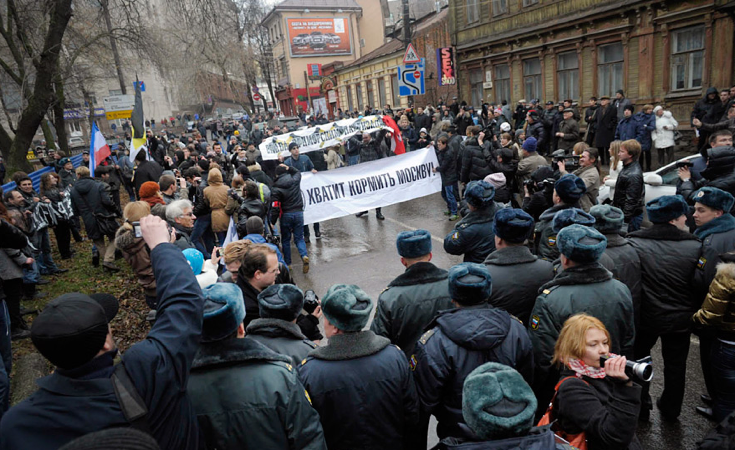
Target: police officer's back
(473,235)
(567,192)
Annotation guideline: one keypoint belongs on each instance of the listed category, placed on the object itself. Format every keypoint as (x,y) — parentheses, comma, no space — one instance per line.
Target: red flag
(397,145)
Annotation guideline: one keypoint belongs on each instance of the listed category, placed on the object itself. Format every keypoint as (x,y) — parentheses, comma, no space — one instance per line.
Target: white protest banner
(320,136)
(350,190)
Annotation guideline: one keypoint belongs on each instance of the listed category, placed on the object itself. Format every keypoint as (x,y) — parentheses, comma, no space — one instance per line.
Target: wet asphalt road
(362,251)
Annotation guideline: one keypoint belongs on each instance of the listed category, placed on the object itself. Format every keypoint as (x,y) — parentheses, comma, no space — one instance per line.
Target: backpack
(578,440)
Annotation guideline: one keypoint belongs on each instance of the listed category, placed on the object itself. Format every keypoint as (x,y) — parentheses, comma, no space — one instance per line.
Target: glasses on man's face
(189,214)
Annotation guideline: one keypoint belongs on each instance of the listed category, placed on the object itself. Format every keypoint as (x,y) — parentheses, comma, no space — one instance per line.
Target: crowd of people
(526,342)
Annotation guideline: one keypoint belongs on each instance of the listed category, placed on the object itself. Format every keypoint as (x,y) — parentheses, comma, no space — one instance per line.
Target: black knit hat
(72,328)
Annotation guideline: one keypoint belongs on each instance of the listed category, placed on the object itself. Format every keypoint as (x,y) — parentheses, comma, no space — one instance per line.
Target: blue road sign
(411,79)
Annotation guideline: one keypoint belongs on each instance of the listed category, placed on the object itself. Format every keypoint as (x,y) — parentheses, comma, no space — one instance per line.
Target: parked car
(659,182)
(77,142)
(302,39)
(332,38)
(317,40)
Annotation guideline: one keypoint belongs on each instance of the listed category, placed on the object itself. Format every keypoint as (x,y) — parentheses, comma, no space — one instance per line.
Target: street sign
(411,56)
(411,79)
(113,115)
(142,85)
(119,102)
(256,97)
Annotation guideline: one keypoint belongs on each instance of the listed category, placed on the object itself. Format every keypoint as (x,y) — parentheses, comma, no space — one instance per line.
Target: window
(394,90)
(115,91)
(473,14)
(371,94)
(502,83)
(687,58)
(500,7)
(529,2)
(568,75)
(358,90)
(609,69)
(532,78)
(381,93)
(349,98)
(476,86)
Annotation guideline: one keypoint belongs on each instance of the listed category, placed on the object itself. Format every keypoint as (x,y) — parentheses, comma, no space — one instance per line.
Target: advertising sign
(445,63)
(315,37)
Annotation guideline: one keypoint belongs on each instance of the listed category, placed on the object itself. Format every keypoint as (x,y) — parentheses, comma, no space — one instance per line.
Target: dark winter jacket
(183,236)
(628,128)
(538,131)
(586,288)
(409,303)
(718,237)
(517,276)
(607,121)
(544,235)
(538,438)
(72,403)
(448,165)
(473,236)
(627,268)
(363,390)
(720,173)
(67,178)
(147,171)
(282,337)
(247,396)
(570,128)
(250,296)
(646,124)
(375,149)
(669,259)
(458,341)
(90,197)
(706,110)
(287,190)
(474,163)
(248,208)
(463,121)
(630,191)
(606,410)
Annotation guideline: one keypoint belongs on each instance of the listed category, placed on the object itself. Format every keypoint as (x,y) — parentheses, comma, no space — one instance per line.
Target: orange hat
(148,189)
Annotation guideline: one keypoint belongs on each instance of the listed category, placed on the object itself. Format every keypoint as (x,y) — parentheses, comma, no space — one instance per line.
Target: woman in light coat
(334,161)
(663,135)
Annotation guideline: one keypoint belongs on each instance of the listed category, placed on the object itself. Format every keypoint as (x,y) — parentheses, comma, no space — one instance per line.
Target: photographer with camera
(587,168)
(599,401)
(669,255)
(538,192)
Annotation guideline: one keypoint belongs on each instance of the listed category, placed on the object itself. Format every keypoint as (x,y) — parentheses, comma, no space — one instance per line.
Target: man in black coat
(517,274)
(669,256)
(629,188)
(258,270)
(373,148)
(720,170)
(460,340)
(286,192)
(411,300)
(360,384)
(447,157)
(708,109)
(474,164)
(80,396)
(91,200)
(473,235)
(607,123)
(145,170)
(536,129)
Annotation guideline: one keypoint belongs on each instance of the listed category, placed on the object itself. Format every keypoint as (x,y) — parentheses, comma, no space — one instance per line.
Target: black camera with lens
(534,186)
(571,163)
(311,301)
(641,370)
(682,164)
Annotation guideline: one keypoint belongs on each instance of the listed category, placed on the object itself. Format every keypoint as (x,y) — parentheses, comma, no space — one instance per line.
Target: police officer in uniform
(410,301)
(517,273)
(473,235)
(359,383)
(462,339)
(567,192)
(572,216)
(279,306)
(238,385)
(585,286)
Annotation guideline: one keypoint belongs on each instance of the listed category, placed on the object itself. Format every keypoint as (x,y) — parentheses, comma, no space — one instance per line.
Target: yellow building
(305,33)
(666,52)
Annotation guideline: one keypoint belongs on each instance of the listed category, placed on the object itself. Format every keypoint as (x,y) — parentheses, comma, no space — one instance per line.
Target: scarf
(582,369)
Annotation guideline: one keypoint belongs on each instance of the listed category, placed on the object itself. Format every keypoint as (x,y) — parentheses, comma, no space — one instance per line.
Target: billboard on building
(317,37)
(445,63)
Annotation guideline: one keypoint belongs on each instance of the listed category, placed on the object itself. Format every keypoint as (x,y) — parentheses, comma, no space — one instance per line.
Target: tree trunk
(113,44)
(59,123)
(48,135)
(43,94)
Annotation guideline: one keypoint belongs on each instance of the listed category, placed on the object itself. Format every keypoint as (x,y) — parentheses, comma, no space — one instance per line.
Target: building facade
(666,52)
(373,79)
(304,33)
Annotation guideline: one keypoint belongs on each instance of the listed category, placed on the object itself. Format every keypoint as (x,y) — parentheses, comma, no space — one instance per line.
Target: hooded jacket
(247,396)
(718,237)
(409,303)
(517,276)
(136,253)
(706,110)
(664,138)
(215,196)
(669,259)
(457,342)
